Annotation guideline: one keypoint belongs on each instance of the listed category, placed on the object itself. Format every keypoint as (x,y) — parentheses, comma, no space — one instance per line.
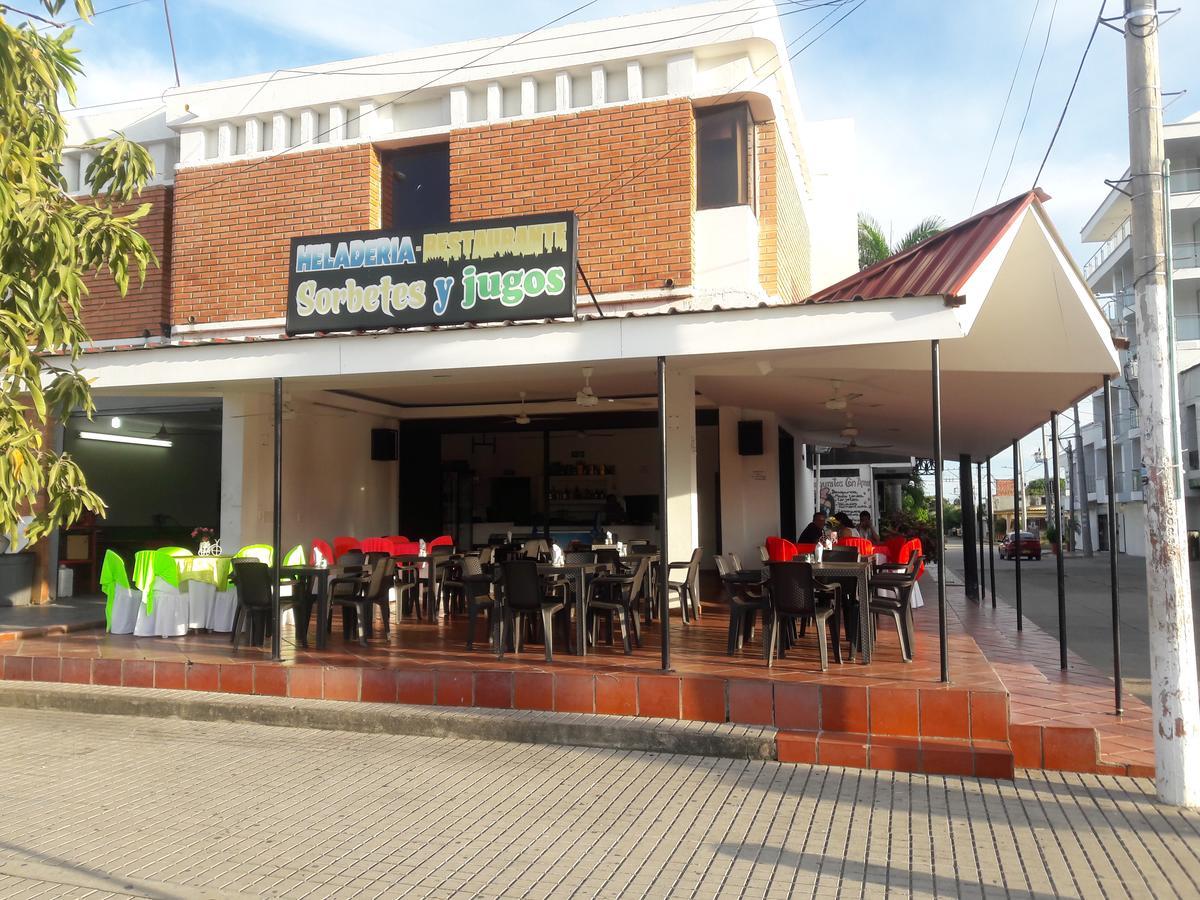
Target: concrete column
(749,485)
(308,126)
(226,140)
(599,86)
(683,503)
(281,132)
(681,73)
(253,132)
(528,95)
(806,495)
(562,91)
(191,149)
(246,476)
(633,77)
(495,101)
(459,107)
(337,123)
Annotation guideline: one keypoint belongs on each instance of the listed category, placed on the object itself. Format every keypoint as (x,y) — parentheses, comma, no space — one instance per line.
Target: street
(1089,606)
(108,806)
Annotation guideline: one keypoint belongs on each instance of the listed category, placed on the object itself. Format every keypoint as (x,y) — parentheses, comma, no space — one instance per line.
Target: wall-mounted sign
(846,494)
(492,270)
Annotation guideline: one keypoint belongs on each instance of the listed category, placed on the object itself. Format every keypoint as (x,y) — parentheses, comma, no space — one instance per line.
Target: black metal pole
(966,490)
(546,481)
(664,559)
(991,535)
(1060,573)
(939,511)
(277,526)
(977,512)
(1017,527)
(1110,484)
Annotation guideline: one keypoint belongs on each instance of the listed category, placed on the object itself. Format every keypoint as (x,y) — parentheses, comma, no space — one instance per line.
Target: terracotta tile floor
(986,656)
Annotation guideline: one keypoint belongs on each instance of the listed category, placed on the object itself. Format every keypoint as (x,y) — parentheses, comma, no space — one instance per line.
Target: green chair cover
(177,551)
(295,556)
(261,552)
(112,576)
(161,565)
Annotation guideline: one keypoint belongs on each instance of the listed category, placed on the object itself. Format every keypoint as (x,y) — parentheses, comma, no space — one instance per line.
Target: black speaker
(385,444)
(750,438)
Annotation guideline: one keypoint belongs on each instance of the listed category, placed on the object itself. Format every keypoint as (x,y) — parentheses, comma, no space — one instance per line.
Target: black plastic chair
(746,600)
(372,590)
(614,595)
(477,595)
(796,594)
(897,602)
(253,580)
(525,593)
(689,588)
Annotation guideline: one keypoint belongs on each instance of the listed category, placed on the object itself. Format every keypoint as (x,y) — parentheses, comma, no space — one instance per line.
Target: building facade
(1111,273)
(696,184)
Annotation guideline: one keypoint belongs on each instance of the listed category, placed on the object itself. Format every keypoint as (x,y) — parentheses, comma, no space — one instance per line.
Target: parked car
(1031,547)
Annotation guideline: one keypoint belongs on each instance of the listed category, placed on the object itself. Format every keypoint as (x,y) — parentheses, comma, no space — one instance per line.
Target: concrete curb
(564,729)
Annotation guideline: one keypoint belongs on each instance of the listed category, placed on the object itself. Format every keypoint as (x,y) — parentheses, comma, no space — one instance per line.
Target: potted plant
(1052,537)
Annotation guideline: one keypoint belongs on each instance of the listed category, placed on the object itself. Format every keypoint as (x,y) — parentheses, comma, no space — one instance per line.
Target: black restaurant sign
(492,270)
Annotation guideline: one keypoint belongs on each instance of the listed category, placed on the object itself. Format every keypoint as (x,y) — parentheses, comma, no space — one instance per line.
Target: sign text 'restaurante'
(468,272)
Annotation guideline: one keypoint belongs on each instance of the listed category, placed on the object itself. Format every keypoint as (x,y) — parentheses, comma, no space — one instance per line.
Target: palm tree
(873,245)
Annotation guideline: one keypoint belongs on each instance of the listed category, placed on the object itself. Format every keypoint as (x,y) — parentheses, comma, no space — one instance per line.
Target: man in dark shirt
(814,530)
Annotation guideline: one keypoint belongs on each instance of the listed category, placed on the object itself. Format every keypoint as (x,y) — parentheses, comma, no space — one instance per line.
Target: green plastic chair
(262,552)
(113,575)
(295,556)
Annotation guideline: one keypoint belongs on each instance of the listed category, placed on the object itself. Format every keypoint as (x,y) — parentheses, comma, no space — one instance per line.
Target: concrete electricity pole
(1173,691)
(1085,512)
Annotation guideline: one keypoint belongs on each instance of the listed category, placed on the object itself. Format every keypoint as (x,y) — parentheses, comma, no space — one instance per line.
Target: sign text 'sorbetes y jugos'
(492,270)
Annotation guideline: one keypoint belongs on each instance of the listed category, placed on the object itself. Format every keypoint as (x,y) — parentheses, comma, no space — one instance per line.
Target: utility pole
(1074,493)
(1085,514)
(1173,688)
(1047,488)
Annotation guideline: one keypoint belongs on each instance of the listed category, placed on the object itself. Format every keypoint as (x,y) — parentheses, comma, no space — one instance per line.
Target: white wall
(749,485)
(330,484)
(833,165)
(726,249)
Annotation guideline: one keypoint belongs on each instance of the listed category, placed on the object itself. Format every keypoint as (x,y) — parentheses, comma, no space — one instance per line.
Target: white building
(1110,272)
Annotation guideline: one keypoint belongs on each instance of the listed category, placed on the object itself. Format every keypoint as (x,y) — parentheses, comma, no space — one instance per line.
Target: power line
(95,13)
(1071,93)
(673,146)
(1004,111)
(366,70)
(1029,103)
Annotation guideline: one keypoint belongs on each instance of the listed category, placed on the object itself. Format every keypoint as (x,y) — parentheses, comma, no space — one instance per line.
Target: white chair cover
(125,606)
(171,613)
(201,595)
(224,607)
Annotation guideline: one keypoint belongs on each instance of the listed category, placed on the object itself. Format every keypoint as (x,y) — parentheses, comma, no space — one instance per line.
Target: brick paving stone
(105,805)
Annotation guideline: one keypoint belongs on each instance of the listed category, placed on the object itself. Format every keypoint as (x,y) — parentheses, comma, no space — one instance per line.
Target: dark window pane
(420,186)
(723,154)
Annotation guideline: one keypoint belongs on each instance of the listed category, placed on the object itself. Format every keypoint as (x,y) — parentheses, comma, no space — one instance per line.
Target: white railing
(1108,247)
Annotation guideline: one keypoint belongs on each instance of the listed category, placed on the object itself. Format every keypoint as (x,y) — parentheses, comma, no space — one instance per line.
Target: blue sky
(925,81)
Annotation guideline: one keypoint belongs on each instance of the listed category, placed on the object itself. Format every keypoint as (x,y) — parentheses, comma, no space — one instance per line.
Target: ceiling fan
(522,418)
(838,401)
(587,396)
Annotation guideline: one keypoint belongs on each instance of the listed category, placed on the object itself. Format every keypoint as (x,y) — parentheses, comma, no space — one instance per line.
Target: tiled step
(928,755)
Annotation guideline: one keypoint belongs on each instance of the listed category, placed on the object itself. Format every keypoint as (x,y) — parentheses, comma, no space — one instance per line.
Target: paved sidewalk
(75,614)
(111,806)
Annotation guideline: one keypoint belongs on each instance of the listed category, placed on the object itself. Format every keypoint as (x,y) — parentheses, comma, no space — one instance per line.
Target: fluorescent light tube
(123,439)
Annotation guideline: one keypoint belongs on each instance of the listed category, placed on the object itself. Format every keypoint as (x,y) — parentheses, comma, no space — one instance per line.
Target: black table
(302,610)
(433,562)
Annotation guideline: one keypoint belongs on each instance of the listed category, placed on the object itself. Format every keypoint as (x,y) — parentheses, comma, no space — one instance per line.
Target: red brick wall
(768,244)
(234,223)
(634,166)
(106,313)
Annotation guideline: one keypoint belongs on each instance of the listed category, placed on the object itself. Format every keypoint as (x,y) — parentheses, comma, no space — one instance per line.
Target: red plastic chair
(443,541)
(376,545)
(864,547)
(342,544)
(806,549)
(914,546)
(322,551)
(780,549)
(892,547)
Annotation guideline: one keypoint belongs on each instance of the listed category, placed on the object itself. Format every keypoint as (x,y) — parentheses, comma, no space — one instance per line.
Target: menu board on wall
(849,494)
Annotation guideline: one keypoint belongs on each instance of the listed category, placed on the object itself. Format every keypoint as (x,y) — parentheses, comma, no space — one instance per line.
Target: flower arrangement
(203,534)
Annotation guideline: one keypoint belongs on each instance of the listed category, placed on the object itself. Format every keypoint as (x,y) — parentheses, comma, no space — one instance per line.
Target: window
(724,157)
(420,185)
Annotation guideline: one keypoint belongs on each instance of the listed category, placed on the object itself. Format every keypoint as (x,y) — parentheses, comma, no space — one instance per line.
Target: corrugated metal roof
(937,267)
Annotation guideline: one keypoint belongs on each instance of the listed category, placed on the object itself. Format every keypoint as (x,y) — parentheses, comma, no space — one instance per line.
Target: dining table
(301,611)
(433,563)
(860,571)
